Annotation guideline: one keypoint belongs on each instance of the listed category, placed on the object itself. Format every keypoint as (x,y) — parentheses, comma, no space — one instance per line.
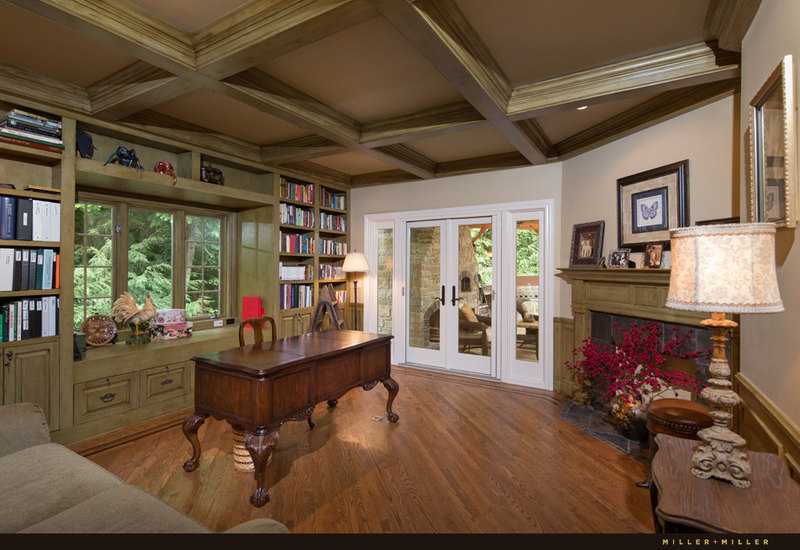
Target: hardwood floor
(467,456)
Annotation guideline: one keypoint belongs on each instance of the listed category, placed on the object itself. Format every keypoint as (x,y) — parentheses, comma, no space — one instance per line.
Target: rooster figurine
(125,310)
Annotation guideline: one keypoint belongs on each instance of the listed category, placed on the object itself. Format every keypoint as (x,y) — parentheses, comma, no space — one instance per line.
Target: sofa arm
(261,525)
(22,425)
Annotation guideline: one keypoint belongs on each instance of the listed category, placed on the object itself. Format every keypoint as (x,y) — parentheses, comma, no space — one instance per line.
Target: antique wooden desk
(258,388)
(684,503)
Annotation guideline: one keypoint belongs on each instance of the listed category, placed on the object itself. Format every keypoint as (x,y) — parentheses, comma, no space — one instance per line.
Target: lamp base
(721,454)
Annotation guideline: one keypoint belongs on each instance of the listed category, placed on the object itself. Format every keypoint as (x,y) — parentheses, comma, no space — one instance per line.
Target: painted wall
(707,136)
(770,349)
(519,184)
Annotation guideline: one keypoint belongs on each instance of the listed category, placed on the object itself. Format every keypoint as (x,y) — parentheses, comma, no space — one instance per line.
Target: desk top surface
(769,505)
(287,352)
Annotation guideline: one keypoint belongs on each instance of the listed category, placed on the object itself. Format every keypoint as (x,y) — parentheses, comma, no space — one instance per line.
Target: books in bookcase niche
(27,219)
(296,296)
(295,215)
(333,199)
(29,269)
(332,222)
(331,247)
(296,191)
(34,317)
(293,243)
(32,129)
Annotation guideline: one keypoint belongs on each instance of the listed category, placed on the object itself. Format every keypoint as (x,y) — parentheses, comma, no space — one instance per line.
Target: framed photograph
(619,257)
(587,244)
(652,255)
(771,141)
(651,203)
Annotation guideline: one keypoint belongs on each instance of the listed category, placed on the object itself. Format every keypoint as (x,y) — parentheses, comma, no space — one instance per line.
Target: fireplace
(601,297)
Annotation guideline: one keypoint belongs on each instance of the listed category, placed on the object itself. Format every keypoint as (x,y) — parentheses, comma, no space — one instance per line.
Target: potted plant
(633,370)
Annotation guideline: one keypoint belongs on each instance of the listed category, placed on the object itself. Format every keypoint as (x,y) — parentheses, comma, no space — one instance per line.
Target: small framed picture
(652,255)
(651,203)
(619,257)
(587,244)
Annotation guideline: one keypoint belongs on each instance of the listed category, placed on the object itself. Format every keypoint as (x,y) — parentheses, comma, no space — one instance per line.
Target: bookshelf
(312,241)
(30,349)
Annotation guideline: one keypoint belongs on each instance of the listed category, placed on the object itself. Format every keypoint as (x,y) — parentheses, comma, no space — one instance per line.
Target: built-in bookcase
(312,242)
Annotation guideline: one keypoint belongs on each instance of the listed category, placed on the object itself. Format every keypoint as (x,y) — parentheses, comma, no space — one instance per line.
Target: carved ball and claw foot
(392,387)
(190,427)
(260,445)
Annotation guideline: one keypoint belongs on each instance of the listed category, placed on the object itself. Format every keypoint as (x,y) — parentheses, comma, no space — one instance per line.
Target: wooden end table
(685,503)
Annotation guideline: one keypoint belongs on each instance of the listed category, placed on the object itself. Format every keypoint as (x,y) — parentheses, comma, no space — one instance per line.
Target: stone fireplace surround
(601,297)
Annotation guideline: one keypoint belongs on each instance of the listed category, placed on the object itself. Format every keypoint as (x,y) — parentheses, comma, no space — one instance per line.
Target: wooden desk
(258,388)
(684,503)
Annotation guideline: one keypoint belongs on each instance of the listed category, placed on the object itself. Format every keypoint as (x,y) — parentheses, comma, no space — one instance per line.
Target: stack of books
(32,129)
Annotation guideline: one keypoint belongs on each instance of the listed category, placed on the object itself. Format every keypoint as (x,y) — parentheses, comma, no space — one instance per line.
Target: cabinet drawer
(106,396)
(160,383)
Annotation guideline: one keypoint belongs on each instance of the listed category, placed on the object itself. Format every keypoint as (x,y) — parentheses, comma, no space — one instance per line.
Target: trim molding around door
(397,221)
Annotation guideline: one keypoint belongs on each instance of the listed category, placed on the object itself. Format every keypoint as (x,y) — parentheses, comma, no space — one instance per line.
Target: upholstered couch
(46,488)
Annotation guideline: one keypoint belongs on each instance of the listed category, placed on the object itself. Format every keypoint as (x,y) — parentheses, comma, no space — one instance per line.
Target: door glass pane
(527,311)
(93,259)
(385,264)
(150,256)
(474,288)
(424,287)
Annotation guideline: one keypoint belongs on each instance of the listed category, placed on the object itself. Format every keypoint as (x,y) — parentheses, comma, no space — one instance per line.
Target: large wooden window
(179,256)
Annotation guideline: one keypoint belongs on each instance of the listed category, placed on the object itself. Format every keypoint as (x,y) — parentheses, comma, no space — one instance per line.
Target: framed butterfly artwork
(650,204)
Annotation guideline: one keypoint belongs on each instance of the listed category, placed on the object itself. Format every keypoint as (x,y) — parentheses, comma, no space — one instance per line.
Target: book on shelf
(30,143)
(24,219)
(18,122)
(294,191)
(43,189)
(8,217)
(29,269)
(31,136)
(31,115)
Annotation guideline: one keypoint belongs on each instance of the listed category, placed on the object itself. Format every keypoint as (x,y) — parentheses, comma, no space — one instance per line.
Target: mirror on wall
(771,141)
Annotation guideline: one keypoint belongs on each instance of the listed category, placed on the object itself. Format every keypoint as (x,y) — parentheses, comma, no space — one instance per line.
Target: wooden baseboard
(113,439)
(765,427)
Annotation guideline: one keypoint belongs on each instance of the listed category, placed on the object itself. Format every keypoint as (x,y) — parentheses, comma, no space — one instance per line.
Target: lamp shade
(355,262)
(727,268)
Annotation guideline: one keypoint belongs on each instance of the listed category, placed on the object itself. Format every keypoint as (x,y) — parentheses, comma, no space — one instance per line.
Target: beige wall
(514,185)
(705,136)
(770,350)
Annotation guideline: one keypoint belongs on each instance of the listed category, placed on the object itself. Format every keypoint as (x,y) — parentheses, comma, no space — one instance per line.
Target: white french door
(449,309)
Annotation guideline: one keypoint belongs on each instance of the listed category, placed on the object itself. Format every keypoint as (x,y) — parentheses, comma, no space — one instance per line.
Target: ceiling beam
(381,178)
(135,88)
(443,35)
(266,29)
(44,89)
(279,99)
(310,171)
(122,25)
(302,148)
(436,121)
(678,68)
(729,20)
(658,109)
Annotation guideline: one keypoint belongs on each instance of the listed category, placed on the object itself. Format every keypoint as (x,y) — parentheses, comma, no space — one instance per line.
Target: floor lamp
(355,262)
(727,268)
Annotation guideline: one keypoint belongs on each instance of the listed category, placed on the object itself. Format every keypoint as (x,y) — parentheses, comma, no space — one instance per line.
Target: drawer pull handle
(106,397)
(166,381)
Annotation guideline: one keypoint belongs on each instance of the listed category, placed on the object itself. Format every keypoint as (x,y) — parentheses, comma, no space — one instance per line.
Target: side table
(684,503)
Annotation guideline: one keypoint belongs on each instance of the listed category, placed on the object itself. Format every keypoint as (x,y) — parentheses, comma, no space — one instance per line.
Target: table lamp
(355,262)
(721,269)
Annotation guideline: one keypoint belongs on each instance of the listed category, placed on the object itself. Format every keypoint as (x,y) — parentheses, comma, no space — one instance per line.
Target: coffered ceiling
(365,92)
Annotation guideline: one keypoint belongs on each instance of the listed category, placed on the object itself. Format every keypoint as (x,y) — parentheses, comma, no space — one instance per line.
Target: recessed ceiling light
(582,107)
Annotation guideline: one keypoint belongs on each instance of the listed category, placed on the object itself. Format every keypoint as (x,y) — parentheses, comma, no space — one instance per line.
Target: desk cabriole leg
(260,445)
(392,387)
(190,427)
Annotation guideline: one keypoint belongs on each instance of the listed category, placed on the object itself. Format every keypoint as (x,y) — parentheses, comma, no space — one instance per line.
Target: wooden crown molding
(662,107)
(436,121)
(672,69)
(40,88)
(302,148)
(729,20)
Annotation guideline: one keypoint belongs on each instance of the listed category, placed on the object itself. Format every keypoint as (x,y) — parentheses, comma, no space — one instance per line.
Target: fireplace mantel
(629,292)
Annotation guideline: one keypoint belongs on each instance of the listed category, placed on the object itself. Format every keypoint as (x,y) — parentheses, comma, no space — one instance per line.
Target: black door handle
(442,298)
(454,299)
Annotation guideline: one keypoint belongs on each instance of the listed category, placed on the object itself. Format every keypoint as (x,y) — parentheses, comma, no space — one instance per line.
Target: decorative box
(169,324)
(169,316)
(171,331)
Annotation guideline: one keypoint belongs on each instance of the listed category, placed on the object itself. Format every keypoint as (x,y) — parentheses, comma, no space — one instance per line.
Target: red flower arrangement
(632,370)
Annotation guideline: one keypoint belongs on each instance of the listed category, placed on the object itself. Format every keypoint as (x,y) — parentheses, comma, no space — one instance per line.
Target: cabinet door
(30,375)
(295,323)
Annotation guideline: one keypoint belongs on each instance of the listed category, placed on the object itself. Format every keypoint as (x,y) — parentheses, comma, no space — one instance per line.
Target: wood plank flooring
(467,456)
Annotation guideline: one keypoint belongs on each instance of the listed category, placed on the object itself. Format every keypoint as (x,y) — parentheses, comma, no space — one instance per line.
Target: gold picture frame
(771,143)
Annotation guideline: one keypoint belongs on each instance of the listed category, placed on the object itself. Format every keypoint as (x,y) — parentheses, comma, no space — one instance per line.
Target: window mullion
(120,254)
(179,260)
